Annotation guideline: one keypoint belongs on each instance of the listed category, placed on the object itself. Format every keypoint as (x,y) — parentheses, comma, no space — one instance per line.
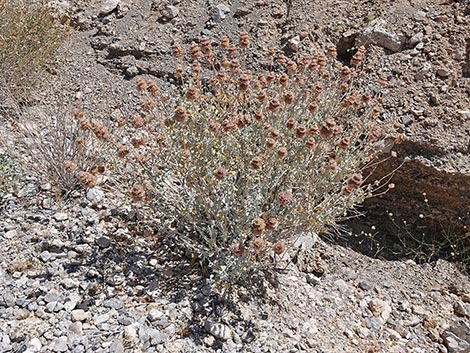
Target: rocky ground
(67,285)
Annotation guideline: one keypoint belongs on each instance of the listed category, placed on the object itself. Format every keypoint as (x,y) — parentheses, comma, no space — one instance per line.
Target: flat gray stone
(60,345)
(79,315)
(218,330)
(377,33)
(53,296)
(7,299)
(109,6)
(169,12)
(457,337)
(94,195)
(116,347)
(60,216)
(113,303)
(220,12)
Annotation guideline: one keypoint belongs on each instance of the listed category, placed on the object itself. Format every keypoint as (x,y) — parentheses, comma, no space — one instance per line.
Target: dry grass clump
(233,164)
(44,141)
(30,34)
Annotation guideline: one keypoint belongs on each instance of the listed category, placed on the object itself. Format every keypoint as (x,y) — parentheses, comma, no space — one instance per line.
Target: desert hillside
(89,261)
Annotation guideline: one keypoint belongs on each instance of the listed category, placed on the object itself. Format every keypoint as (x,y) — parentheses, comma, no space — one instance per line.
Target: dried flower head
(256,163)
(101,131)
(176,50)
(355,181)
(279,248)
(332,52)
(346,190)
(344,142)
(238,249)
(224,42)
(242,121)
(274,133)
(220,173)
(87,180)
(262,96)
(270,142)
(284,198)
(244,83)
(192,93)
(289,98)
(282,152)
(383,81)
(85,124)
(137,121)
(70,166)
(327,129)
(274,105)
(291,66)
(301,131)
(180,115)
(214,126)
(147,104)
(283,80)
(272,223)
(313,107)
(77,113)
(291,123)
(258,243)
(244,40)
(122,151)
(141,84)
(195,51)
(357,58)
(138,193)
(311,143)
(321,61)
(206,46)
(258,226)
(271,77)
(313,130)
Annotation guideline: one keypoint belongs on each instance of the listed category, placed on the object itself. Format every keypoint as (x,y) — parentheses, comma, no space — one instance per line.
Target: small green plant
(424,243)
(30,35)
(233,164)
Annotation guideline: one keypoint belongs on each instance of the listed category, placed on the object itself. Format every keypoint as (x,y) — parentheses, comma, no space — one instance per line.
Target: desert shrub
(43,139)
(30,34)
(234,164)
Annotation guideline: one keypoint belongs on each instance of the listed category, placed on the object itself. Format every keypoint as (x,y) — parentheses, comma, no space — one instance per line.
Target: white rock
(130,332)
(79,315)
(220,12)
(169,12)
(34,345)
(294,43)
(376,33)
(380,309)
(218,330)
(109,6)
(61,216)
(154,314)
(95,195)
(11,234)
